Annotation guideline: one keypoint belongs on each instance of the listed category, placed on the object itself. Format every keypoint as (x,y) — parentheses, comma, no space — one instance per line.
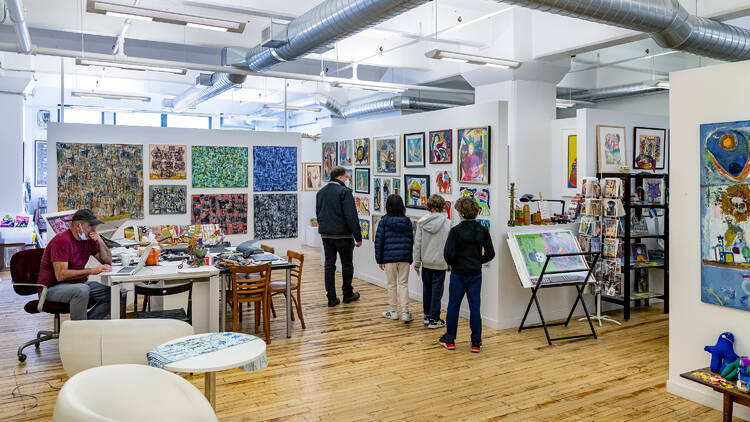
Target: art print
(571,164)
(362,181)
(610,208)
(22,220)
(274,169)
(653,190)
(417,190)
(220,167)
(349,182)
(167,162)
(386,156)
(612,187)
(40,163)
(229,211)
(414,150)
(313,173)
(474,155)
(275,216)
(611,149)
(374,227)
(648,149)
(346,153)
(377,195)
(364,227)
(611,227)
(444,182)
(448,210)
(530,250)
(639,253)
(167,199)
(8,221)
(594,207)
(481,196)
(362,204)
(441,146)
(330,159)
(60,221)
(362,152)
(396,187)
(610,247)
(105,178)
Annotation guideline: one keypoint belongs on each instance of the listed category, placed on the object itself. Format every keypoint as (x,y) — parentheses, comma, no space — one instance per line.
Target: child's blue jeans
(471,286)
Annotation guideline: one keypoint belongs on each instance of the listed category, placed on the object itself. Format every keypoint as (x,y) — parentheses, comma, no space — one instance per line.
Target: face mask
(82,236)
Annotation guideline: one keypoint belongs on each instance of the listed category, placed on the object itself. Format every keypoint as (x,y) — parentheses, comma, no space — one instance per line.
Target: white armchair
(92,343)
(126,393)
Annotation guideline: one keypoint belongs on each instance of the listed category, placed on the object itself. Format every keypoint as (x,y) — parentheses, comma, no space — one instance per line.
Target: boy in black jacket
(469,245)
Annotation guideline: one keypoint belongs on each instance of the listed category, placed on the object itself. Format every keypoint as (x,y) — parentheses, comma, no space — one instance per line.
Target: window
(192,122)
(91,117)
(138,119)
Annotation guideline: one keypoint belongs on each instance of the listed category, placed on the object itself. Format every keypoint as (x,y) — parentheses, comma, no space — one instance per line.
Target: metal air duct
(329,104)
(216,84)
(317,29)
(599,94)
(19,24)
(666,21)
(403,102)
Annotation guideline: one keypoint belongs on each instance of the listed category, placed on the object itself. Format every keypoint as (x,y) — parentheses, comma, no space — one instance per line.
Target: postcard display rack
(625,257)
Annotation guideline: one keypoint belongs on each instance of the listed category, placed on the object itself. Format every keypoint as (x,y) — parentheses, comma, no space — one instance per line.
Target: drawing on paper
(611,148)
(648,151)
(364,227)
(363,205)
(313,176)
(443,180)
(481,196)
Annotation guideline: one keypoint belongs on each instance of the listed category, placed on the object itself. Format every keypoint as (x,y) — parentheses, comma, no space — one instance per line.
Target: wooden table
(729,389)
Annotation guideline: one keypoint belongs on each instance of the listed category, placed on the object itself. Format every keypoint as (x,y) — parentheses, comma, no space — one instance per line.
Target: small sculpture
(722,353)
(743,378)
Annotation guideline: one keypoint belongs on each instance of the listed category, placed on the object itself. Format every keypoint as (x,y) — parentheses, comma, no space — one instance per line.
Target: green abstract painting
(219,167)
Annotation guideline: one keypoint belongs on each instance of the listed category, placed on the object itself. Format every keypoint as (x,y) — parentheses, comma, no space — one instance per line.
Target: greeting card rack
(632,182)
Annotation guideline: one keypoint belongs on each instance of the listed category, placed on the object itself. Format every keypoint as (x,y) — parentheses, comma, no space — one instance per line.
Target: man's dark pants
(345,249)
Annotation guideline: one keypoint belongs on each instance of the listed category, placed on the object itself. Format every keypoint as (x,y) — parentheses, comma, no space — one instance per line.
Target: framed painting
(610,145)
(474,155)
(363,205)
(40,163)
(417,190)
(362,152)
(330,159)
(362,180)
(377,194)
(441,146)
(396,187)
(313,176)
(59,222)
(220,166)
(274,169)
(480,196)
(167,199)
(275,216)
(374,227)
(349,179)
(653,190)
(229,211)
(444,182)
(364,227)
(569,163)
(346,153)
(167,162)
(387,156)
(530,249)
(648,148)
(414,150)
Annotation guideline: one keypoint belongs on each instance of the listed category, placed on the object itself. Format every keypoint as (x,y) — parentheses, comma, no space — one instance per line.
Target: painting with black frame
(416,190)
(414,149)
(362,180)
(649,148)
(40,163)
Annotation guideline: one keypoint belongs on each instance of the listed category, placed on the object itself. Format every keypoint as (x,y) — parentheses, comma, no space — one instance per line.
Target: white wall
(708,95)
(11,140)
(157,135)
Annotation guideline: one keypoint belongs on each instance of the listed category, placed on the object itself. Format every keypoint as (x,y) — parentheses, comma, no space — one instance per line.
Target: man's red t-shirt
(64,247)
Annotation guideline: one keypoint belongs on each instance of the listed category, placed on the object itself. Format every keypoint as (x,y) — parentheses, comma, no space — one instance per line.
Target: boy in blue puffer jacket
(393,253)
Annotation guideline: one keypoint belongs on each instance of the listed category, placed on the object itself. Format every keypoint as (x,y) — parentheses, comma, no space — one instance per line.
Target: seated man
(63,268)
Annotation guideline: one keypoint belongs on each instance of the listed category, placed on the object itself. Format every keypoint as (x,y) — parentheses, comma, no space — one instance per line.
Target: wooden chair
(267,248)
(251,290)
(279,287)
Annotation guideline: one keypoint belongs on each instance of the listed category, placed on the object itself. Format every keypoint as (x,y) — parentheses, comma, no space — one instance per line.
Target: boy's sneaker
(436,323)
(448,344)
(392,314)
(426,321)
(406,316)
(476,347)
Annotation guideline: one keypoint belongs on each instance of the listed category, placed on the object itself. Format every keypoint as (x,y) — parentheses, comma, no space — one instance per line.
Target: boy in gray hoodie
(432,232)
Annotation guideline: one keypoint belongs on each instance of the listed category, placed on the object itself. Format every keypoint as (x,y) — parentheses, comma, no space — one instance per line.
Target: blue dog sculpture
(722,352)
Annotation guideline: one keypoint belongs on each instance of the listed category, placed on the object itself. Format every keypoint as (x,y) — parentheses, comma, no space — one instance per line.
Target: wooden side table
(729,389)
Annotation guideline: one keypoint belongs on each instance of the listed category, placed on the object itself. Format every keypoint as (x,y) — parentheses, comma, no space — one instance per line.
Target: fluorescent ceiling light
(130,66)
(109,96)
(291,107)
(453,56)
(564,103)
(163,16)
(663,84)
(368,87)
(253,118)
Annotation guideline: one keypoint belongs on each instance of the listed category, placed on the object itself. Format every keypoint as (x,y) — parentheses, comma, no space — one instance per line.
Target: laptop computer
(131,270)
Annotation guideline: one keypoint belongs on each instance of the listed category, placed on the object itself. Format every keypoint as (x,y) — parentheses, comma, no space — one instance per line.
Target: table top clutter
(210,352)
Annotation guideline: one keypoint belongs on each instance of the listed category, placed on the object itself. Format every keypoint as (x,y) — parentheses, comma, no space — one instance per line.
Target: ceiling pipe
(19,24)
(207,87)
(600,94)
(329,103)
(317,29)
(666,21)
(401,102)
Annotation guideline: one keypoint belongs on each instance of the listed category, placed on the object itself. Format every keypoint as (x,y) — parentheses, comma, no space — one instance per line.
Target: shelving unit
(628,297)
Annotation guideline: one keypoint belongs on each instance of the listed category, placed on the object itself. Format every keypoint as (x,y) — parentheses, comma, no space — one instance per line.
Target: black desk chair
(179,314)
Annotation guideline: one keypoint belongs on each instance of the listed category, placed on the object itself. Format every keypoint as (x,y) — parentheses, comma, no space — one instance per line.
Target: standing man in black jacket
(338,225)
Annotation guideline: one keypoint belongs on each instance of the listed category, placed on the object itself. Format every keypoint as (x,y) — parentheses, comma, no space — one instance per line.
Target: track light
(130,66)
(163,16)
(109,96)
(291,107)
(453,56)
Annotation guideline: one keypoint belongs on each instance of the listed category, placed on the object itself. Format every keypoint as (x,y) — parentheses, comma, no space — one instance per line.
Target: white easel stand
(599,317)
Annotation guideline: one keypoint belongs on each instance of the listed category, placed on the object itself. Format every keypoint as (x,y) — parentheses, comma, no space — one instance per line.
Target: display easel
(578,284)
(599,317)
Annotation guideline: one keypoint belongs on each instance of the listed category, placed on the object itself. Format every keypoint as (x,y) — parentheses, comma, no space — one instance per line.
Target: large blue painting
(725,214)
(274,169)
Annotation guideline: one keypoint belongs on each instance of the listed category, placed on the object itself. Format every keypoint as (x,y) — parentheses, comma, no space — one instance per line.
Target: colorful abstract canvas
(346,153)
(386,156)
(22,220)
(377,194)
(653,190)
(448,210)
(362,180)
(219,167)
(60,221)
(444,182)
(105,178)
(572,162)
(274,169)
(362,152)
(229,211)
(474,155)
(313,176)
(648,148)
(610,142)
(330,159)
(275,216)
(530,250)
(363,205)
(417,190)
(441,146)
(167,199)
(481,196)
(725,214)
(349,179)
(167,162)
(364,227)
(414,150)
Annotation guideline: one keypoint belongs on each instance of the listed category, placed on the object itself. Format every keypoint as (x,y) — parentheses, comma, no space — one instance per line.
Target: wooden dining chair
(279,286)
(249,289)
(267,248)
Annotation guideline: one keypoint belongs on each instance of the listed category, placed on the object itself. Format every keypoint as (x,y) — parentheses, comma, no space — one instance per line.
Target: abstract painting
(448,210)
(417,190)
(648,148)
(653,190)
(377,194)
(474,155)
(362,180)
(274,169)
(362,152)
(725,214)
(167,199)
(530,249)
(443,180)
(610,141)
(219,167)
(481,196)
(313,177)
(330,159)
(414,150)
(229,211)
(571,166)
(363,205)
(441,146)
(386,156)
(106,178)
(364,227)
(346,153)
(167,162)
(349,179)
(60,221)
(275,216)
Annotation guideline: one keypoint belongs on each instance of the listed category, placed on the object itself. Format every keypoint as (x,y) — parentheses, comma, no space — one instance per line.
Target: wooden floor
(350,364)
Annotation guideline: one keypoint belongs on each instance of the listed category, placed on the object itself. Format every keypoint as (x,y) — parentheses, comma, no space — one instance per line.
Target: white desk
(206,289)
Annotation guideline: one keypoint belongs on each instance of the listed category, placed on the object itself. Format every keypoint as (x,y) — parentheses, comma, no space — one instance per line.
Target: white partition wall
(81,133)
